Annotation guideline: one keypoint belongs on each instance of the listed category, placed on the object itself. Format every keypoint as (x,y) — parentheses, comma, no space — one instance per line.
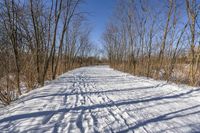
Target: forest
(40,40)
(161,43)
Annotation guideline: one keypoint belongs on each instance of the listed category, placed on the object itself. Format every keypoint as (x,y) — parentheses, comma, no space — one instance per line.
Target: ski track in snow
(100,99)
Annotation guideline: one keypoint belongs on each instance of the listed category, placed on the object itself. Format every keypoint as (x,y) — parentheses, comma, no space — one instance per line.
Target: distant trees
(38,41)
(155,42)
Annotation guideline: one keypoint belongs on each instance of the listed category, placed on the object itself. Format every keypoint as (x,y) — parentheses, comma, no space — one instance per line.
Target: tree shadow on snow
(99,106)
(93,92)
(163,117)
(168,116)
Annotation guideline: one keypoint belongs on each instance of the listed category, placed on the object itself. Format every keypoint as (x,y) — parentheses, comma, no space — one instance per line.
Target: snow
(100,99)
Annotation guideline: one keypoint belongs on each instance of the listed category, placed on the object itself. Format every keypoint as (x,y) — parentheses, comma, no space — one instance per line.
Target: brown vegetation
(141,41)
(38,41)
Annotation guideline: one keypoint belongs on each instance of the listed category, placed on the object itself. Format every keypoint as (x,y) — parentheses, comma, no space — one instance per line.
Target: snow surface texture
(100,99)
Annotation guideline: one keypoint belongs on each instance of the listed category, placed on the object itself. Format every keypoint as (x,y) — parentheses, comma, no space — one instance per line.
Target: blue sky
(100,12)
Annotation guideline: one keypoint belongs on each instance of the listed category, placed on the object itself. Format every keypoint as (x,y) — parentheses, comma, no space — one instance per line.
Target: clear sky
(100,12)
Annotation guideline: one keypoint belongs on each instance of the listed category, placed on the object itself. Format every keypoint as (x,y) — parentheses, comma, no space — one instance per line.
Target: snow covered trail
(100,99)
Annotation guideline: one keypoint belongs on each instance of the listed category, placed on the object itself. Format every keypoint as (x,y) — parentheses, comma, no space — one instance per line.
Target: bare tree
(69,11)
(166,31)
(11,17)
(192,12)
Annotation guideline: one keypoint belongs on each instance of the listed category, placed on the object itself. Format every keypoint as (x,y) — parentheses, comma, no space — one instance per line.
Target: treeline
(159,39)
(40,39)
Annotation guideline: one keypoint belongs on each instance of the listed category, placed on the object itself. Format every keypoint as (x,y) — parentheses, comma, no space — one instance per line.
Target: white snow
(100,99)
